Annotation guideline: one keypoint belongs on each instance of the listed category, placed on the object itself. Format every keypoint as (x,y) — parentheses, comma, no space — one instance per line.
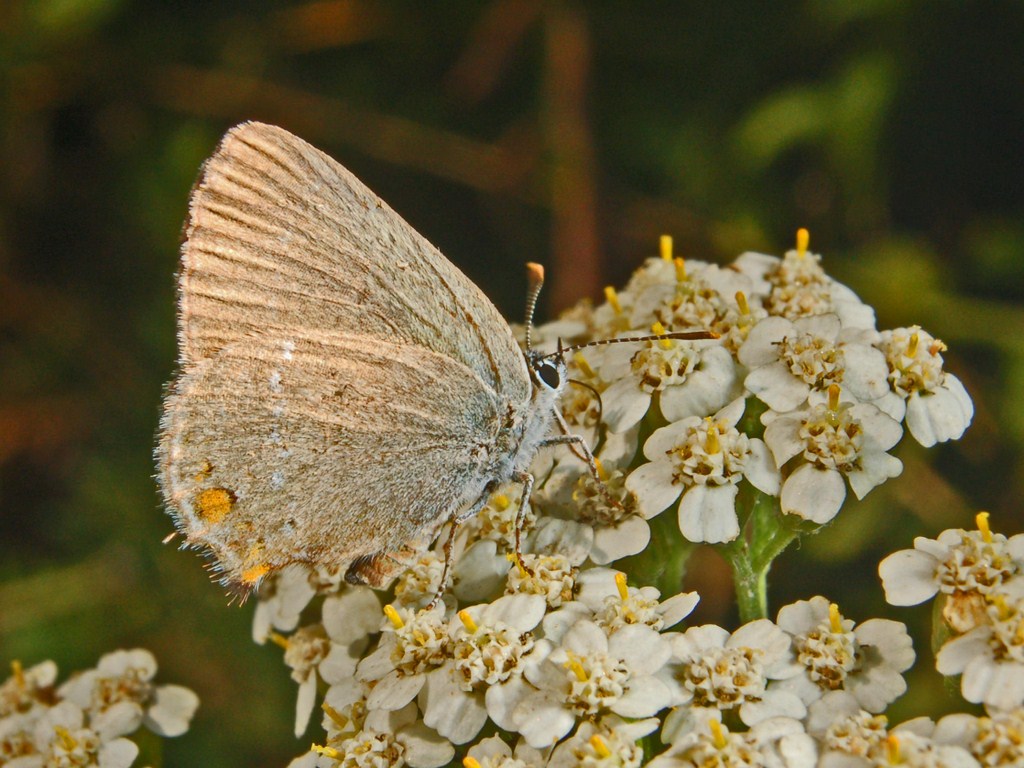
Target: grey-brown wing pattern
(281,236)
(310,446)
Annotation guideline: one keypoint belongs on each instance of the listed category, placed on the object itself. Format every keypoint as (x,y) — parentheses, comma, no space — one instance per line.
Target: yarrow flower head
(85,721)
(548,630)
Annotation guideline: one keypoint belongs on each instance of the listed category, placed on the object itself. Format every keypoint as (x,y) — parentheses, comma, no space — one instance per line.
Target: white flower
(964,565)
(587,674)
(718,670)
(937,406)
(387,740)
(489,644)
(835,440)
(994,741)
(280,601)
(417,584)
(865,659)
(691,379)
(861,740)
(611,742)
(990,657)
(614,605)
(412,644)
(791,359)
(552,577)
(700,295)
(26,688)
(702,459)
(330,650)
(797,286)
(119,696)
(493,752)
(778,742)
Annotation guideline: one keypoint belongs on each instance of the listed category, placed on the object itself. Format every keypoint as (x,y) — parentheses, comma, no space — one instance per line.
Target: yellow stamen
(393,617)
(999,601)
(936,347)
(339,719)
(1018,634)
(712,445)
(981,520)
(467,622)
(601,471)
(470,762)
(18,673)
(741,302)
(326,751)
(892,747)
(512,557)
(501,501)
(67,741)
(278,639)
(600,747)
(680,269)
(583,365)
(717,734)
(833,397)
(665,244)
(612,298)
(835,619)
(803,239)
(573,665)
(623,587)
(912,345)
(658,330)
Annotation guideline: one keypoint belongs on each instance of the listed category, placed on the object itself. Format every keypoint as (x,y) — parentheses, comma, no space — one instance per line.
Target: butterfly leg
(449,544)
(527,480)
(581,450)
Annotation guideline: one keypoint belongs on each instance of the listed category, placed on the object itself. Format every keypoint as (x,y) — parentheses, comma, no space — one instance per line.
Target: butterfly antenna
(535,278)
(686,335)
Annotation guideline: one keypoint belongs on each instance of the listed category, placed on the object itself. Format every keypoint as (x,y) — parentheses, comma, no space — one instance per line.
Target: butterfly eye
(549,374)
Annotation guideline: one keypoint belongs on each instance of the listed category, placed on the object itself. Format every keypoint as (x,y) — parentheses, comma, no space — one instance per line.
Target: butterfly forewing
(282,236)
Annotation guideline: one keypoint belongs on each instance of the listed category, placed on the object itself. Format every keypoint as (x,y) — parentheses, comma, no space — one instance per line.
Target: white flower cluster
(554,658)
(980,577)
(84,722)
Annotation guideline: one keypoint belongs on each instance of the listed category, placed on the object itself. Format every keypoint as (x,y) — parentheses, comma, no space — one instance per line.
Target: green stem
(751,586)
(768,533)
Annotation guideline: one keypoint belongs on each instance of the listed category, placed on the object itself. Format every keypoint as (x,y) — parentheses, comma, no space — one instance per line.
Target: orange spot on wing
(254,574)
(213,504)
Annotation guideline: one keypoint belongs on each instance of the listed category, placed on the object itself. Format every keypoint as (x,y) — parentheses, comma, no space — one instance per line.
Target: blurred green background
(570,133)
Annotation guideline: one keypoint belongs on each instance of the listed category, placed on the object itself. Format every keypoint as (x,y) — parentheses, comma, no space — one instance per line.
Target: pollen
(613,299)
(600,747)
(659,330)
(330,752)
(981,520)
(393,617)
(835,619)
(622,586)
(583,365)
(803,239)
(470,762)
(680,269)
(213,504)
(467,622)
(665,246)
(741,302)
(717,736)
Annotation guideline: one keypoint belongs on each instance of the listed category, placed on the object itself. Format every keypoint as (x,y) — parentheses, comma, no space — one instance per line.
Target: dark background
(569,133)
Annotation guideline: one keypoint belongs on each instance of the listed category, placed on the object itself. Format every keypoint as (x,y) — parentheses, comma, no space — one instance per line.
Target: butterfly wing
(281,236)
(319,446)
